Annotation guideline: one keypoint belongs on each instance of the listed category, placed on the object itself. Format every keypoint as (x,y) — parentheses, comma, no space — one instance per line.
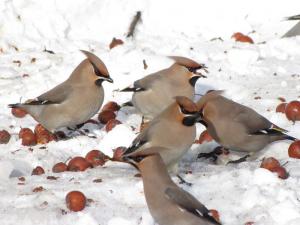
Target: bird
(295,30)
(75,100)
(237,127)
(174,128)
(168,204)
(153,93)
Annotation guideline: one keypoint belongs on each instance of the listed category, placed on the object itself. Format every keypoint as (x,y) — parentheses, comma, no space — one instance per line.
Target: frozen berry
(281,172)
(17,112)
(294,150)
(269,163)
(38,171)
(281,107)
(28,137)
(215,214)
(96,158)
(111,106)
(242,38)
(4,137)
(106,116)
(78,163)
(59,167)
(75,201)
(292,111)
(115,42)
(111,124)
(118,153)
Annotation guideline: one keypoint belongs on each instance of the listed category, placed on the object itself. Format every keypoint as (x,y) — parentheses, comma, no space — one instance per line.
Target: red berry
(281,172)
(38,171)
(59,167)
(269,163)
(78,163)
(281,107)
(204,136)
(242,38)
(19,113)
(106,116)
(294,150)
(118,153)
(27,136)
(96,158)
(292,111)
(111,124)
(115,42)
(75,201)
(4,137)
(215,214)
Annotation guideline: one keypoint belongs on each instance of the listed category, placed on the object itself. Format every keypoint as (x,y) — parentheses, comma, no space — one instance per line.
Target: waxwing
(174,128)
(75,100)
(237,127)
(168,203)
(153,93)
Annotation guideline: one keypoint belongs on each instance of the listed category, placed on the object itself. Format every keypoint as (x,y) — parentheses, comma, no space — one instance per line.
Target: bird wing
(143,138)
(55,95)
(136,87)
(252,121)
(188,202)
(296,17)
(139,141)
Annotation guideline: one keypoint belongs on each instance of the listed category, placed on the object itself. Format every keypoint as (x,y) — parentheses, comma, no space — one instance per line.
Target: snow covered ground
(254,75)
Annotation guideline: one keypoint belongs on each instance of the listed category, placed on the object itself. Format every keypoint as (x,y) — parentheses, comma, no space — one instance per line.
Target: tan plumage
(153,93)
(174,129)
(75,100)
(235,126)
(167,203)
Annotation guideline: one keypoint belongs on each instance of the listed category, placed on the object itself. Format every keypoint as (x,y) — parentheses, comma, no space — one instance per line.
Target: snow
(268,69)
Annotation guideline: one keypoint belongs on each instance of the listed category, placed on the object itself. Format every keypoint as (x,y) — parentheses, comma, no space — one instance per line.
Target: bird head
(192,67)
(137,158)
(188,111)
(99,69)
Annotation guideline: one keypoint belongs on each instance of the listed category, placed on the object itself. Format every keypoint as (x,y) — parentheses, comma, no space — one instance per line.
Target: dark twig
(133,24)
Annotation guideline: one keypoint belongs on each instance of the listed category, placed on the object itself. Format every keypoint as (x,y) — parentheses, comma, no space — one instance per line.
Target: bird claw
(182,181)
(214,154)
(240,160)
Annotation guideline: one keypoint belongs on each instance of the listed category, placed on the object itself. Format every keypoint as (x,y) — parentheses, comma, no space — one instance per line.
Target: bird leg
(143,124)
(243,159)
(182,181)
(214,154)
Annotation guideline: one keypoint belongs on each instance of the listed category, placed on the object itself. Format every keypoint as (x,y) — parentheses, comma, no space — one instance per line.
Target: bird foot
(240,160)
(182,181)
(214,154)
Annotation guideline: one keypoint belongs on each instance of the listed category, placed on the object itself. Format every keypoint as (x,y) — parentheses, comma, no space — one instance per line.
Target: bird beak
(108,79)
(197,116)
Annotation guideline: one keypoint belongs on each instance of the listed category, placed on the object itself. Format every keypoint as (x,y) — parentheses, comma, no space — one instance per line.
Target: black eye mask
(194,69)
(97,72)
(193,80)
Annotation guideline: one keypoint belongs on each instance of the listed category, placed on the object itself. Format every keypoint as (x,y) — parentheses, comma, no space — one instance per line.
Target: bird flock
(164,99)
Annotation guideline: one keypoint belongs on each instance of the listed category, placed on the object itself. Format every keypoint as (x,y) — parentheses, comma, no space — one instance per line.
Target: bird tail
(288,137)
(296,17)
